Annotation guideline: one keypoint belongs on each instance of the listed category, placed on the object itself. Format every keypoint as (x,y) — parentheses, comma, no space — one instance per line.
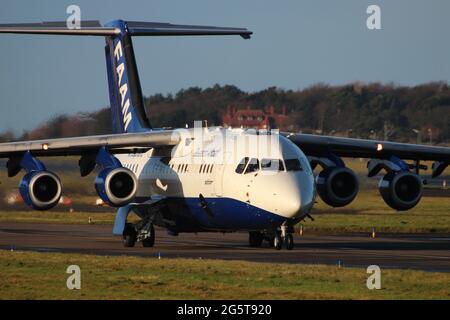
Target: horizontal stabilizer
(136,28)
(94,28)
(89,28)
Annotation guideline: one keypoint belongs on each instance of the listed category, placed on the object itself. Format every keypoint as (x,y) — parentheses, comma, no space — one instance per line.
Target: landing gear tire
(289,241)
(255,239)
(278,242)
(129,236)
(150,241)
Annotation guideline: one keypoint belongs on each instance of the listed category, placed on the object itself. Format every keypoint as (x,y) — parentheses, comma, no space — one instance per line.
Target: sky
(296,43)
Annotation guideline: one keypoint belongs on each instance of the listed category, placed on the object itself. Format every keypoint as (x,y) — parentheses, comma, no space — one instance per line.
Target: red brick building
(253,118)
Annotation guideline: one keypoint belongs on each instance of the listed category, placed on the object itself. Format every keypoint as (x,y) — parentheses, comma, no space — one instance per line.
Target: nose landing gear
(278,239)
(287,241)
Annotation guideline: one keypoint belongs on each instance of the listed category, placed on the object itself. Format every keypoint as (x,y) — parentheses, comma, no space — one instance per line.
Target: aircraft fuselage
(209,185)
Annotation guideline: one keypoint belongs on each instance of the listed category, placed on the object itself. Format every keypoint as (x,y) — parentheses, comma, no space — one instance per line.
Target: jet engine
(116,186)
(41,190)
(401,191)
(337,186)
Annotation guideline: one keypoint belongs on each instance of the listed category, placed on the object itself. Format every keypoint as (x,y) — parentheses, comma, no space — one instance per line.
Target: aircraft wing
(323,146)
(115,143)
(359,148)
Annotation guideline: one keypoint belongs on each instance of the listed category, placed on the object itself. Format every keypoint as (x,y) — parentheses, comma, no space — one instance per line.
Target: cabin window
(253,165)
(185,168)
(272,165)
(241,166)
(212,166)
(293,165)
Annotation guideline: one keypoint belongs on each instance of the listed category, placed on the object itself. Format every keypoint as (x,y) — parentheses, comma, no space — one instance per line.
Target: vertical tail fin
(125,93)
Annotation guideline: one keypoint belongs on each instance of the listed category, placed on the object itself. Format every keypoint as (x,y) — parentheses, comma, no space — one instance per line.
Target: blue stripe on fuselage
(224,214)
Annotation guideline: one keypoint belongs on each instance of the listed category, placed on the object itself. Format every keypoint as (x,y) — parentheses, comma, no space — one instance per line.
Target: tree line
(378,111)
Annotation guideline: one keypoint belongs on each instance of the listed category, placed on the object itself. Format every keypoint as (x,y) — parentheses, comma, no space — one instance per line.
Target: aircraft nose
(296,195)
(290,201)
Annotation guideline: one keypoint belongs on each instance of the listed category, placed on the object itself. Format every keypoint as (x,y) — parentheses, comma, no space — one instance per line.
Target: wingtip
(246,35)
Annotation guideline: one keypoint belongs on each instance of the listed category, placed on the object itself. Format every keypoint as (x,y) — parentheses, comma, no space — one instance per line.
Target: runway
(420,252)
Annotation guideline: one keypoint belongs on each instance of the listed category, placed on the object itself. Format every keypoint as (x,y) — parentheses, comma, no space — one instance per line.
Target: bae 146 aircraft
(191,180)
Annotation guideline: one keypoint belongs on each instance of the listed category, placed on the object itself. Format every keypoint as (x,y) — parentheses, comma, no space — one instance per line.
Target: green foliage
(357,110)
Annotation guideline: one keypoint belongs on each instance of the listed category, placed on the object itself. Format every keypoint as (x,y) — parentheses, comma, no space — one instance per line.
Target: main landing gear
(138,232)
(129,236)
(277,239)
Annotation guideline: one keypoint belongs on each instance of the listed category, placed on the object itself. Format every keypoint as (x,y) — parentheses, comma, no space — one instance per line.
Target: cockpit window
(272,165)
(241,166)
(253,165)
(293,165)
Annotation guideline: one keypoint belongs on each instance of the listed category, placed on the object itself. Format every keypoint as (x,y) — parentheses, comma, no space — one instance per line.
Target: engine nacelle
(401,191)
(41,190)
(337,186)
(116,186)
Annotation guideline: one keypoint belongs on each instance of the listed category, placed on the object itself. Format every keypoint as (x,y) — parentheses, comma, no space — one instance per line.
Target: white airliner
(206,179)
